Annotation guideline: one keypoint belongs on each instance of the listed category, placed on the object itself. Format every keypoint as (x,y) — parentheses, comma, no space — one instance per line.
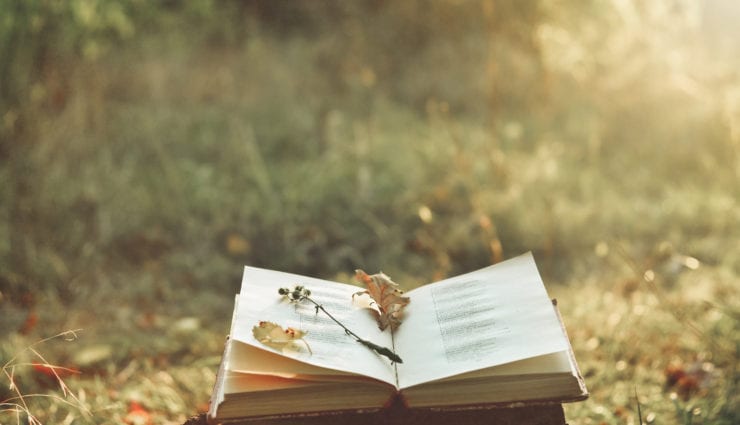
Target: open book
(484,338)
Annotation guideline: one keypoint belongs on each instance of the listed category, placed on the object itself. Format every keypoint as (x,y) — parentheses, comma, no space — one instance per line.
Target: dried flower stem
(299,294)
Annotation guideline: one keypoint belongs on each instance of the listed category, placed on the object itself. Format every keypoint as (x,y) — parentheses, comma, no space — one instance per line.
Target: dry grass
(673,340)
(24,405)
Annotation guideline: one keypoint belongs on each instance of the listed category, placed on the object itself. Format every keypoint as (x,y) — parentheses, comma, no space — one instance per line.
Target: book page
(489,317)
(330,347)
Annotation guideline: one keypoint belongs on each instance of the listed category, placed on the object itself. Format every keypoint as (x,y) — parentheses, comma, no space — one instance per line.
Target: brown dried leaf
(388,300)
(274,336)
(689,379)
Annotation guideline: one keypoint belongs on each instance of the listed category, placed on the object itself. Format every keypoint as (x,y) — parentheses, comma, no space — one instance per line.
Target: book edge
(217,395)
(571,355)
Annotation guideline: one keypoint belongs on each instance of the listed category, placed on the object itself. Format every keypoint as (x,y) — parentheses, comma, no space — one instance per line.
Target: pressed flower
(274,336)
(299,294)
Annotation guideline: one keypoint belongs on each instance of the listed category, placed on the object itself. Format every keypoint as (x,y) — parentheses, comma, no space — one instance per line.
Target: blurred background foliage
(148,150)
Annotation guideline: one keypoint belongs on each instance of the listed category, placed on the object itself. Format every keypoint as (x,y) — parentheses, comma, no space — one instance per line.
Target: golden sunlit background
(149,150)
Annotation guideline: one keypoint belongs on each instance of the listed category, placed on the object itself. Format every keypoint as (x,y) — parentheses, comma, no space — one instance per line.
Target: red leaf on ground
(137,415)
(689,379)
(54,371)
(32,319)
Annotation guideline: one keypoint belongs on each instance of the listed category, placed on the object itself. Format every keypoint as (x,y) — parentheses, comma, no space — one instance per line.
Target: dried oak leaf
(274,336)
(386,299)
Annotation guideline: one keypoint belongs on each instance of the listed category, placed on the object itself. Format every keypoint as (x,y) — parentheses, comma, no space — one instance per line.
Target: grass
(635,334)
(23,405)
(160,167)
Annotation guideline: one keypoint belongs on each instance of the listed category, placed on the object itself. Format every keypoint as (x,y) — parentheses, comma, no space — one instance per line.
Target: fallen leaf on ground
(32,319)
(53,371)
(689,379)
(137,415)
